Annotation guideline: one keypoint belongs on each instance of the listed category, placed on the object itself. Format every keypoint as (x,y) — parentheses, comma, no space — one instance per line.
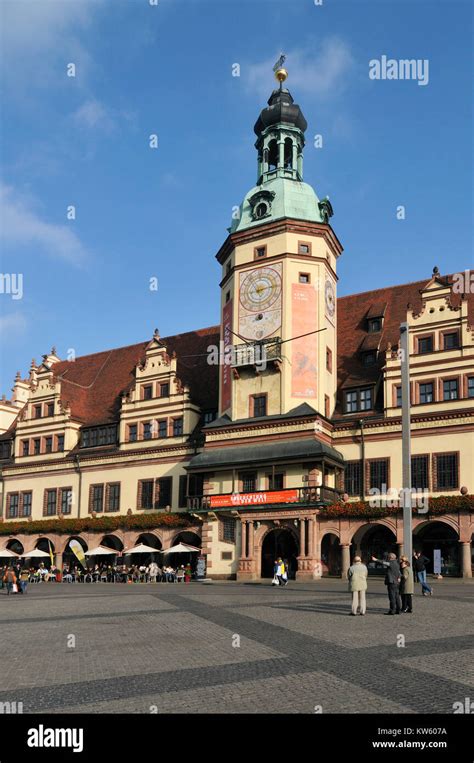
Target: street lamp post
(406,441)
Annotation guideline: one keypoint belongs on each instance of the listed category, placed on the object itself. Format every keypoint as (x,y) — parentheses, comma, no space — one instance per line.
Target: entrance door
(279,542)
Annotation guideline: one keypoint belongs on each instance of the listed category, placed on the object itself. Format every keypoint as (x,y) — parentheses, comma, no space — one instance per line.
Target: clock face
(260,289)
(330,299)
(260,302)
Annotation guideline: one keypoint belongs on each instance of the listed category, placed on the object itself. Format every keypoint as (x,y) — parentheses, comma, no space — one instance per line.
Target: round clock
(330,298)
(260,289)
(260,300)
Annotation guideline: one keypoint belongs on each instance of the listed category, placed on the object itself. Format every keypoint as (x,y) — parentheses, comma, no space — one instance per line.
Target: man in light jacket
(357,575)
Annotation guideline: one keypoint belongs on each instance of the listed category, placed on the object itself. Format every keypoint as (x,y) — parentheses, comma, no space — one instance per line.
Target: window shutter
(20,505)
(91,496)
(139,494)
(45,502)
(7,509)
(156,499)
(182,491)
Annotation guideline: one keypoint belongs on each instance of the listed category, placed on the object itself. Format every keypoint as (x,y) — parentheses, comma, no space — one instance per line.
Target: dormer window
(147,392)
(164,390)
(50,409)
(374,325)
(37,411)
(369,358)
(358,400)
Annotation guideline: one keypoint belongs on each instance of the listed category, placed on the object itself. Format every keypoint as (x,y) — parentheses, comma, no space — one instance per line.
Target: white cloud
(41,35)
(92,114)
(322,71)
(13,324)
(20,225)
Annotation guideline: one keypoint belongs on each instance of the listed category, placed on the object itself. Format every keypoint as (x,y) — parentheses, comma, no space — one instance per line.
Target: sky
(140,213)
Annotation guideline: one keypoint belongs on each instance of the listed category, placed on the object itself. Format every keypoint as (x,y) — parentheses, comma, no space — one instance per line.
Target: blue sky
(143,213)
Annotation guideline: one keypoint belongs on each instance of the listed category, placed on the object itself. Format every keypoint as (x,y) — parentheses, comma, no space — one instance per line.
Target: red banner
(253,499)
(304,350)
(226,381)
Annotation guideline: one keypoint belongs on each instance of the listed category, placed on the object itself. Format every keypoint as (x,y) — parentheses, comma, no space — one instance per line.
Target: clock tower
(278,286)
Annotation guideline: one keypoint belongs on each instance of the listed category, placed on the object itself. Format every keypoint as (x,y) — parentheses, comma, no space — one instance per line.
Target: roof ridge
(101,352)
(397,285)
(138,344)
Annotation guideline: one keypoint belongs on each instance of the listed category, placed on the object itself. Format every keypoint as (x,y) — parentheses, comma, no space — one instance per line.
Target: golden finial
(281,73)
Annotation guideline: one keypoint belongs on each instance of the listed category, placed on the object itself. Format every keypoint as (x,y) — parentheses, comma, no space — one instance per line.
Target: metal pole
(406,441)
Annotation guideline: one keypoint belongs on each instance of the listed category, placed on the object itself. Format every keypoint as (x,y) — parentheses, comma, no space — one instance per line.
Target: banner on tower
(304,349)
(226,381)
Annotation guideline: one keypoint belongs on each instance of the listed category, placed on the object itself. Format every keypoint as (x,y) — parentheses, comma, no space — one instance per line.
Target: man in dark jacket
(393,577)
(419,566)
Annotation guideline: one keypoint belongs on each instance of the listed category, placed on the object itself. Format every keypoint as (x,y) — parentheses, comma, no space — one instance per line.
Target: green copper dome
(286,198)
(280,191)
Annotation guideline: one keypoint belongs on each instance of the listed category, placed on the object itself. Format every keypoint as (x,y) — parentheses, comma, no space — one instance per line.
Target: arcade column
(466,566)
(345,558)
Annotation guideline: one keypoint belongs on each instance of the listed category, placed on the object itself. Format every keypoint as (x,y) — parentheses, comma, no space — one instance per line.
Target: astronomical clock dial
(330,298)
(260,301)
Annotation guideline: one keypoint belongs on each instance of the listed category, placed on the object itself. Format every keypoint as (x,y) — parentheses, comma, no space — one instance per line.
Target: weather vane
(280,72)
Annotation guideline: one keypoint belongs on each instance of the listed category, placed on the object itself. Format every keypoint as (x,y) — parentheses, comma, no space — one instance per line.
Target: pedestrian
(24,578)
(357,576)
(407,585)
(392,581)
(187,573)
(10,580)
(282,575)
(419,566)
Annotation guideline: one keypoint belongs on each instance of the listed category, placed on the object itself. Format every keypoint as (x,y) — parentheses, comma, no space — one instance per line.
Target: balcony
(298,496)
(256,354)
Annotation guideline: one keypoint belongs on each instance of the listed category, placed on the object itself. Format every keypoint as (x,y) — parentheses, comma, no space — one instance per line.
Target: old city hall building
(277,432)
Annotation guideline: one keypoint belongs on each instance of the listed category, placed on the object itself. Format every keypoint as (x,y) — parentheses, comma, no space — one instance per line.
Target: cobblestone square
(234,648)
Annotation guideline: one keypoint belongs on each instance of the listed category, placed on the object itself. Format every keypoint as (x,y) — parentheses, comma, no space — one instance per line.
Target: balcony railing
(258,353)
(299,496)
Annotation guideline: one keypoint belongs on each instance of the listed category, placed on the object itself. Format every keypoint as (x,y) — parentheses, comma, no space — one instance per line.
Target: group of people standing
(398,579)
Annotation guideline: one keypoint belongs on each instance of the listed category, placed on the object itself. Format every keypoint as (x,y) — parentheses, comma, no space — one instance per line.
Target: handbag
(275,581)
(14,588)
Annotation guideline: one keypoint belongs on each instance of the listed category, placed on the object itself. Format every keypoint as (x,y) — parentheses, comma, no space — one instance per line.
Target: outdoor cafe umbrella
(100,551)
(181,548)
(7,552)
(36,554)
(142,549)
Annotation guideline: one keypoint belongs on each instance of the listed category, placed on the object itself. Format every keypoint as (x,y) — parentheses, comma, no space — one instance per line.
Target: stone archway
(438,540)
(16,546)
(330,555)
(279,542)
(149,539)
(112,541)
(189,538)
(374,539)
(69,558)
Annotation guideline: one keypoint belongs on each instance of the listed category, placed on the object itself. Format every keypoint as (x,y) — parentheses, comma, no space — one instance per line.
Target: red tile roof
(92,384)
